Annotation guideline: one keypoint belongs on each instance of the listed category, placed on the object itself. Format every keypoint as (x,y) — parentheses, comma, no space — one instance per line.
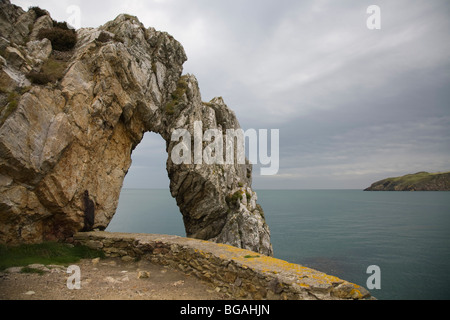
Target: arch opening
(146,204)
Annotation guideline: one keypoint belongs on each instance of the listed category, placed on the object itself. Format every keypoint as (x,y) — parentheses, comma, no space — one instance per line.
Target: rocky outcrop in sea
(421,181)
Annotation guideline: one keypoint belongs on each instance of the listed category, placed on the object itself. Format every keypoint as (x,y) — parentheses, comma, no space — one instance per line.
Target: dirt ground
(110,279)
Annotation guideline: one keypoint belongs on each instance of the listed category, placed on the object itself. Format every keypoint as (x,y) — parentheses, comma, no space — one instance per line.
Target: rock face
(421,181)
(65,147)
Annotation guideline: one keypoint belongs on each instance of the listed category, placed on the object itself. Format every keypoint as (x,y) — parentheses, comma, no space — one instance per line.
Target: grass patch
(177,96)
(13,99)
(62,39)
(38,78)
(51,71)
(54,69)
(12,104)
(231,199)
(171,107)
(412,182)
(252,257)
(38,11)
(412,179)
(46,253)
(104,37)
(261,211)
(61,25)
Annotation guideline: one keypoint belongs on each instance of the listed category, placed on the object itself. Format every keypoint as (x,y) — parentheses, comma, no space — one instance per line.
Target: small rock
(127,259)
(178,283)
(40,267)
(112,280)
(111,263)
(40,49)
(96,245)
(14,57)
(30,293)
(95,261)
(143,275)
(56,268)
(14,270)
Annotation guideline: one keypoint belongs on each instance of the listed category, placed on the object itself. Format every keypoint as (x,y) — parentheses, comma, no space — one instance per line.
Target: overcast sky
(353,105)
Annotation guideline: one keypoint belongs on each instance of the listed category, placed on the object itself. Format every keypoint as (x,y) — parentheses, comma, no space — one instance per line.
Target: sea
(406,235)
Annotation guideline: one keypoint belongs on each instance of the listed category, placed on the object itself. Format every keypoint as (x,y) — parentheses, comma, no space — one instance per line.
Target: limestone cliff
(69,122)
(421,181)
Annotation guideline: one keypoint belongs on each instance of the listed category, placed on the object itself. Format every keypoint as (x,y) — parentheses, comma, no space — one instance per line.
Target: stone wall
(241,273)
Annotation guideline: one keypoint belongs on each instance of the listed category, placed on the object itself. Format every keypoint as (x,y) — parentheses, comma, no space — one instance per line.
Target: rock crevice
(75,135)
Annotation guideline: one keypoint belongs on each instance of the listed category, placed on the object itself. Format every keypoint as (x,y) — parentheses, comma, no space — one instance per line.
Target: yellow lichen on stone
(243,272)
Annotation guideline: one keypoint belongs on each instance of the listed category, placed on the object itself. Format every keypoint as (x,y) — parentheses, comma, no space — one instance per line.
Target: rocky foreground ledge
(240,273)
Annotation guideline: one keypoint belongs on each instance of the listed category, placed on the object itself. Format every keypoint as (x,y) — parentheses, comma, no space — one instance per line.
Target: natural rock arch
(70,143)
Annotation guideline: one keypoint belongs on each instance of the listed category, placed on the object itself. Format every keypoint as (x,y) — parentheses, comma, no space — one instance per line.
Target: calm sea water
(339,232)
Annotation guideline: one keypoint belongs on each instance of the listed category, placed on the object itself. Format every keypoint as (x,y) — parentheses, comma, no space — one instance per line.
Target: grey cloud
(352,105)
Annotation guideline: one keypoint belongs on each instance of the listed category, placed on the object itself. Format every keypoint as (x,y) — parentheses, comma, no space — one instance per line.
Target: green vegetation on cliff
(421,181)
(44,253)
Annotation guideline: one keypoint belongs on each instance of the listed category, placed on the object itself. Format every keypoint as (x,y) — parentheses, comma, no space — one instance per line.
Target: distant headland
(421,181)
